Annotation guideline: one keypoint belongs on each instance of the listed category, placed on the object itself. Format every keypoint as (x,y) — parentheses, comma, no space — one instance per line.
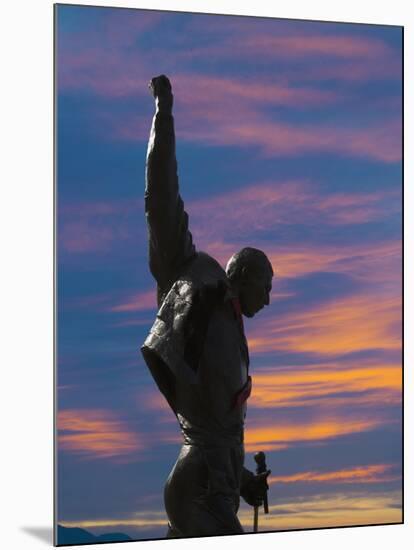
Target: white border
(26,252)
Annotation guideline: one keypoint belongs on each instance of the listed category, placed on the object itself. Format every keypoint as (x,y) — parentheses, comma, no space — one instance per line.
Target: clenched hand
(160,87)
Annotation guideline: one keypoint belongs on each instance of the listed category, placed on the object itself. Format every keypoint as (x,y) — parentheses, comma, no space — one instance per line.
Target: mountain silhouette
(76,535)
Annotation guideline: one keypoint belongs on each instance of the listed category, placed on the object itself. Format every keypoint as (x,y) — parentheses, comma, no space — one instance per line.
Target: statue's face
(255,292)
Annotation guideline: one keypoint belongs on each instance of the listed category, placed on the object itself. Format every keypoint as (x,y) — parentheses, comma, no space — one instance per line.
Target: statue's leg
(215,515)
(181,487)
(190,509)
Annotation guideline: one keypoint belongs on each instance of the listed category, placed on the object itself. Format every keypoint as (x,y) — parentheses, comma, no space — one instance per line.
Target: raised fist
(161,90)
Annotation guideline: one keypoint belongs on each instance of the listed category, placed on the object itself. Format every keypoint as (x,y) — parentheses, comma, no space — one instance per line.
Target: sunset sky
(288,140)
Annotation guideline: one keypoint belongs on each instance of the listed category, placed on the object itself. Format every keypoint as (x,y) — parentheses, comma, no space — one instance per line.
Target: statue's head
(250,274)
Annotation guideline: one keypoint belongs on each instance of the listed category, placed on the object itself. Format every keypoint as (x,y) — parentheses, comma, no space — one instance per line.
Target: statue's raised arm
(170,242)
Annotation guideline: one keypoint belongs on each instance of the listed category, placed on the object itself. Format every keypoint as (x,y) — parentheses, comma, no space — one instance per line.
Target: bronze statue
(196,350)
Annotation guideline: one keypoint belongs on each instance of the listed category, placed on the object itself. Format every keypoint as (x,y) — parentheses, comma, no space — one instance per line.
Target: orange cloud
(315,511)
(295,513)
(95,434)
(298,386)
(312,511)
(375,263)
(373,473)
(356,323)
(283,435)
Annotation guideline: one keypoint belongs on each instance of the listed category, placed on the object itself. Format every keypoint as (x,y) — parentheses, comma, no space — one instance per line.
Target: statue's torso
(207,411)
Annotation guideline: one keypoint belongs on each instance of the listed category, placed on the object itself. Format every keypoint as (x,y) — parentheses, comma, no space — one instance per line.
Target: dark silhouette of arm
(170,242)
(253,487)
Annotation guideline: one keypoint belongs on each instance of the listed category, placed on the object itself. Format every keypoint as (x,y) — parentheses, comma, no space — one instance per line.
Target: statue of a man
(196,350)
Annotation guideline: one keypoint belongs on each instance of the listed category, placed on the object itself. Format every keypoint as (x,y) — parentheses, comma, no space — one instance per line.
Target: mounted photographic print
(228,329)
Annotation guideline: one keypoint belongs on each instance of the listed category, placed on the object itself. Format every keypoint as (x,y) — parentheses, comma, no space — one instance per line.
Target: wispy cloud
(355,323)
(99,56)
(198,91)
(303,387)
(325,354)
(95,434)
(377,263)
(283,435)
(353,72)
(216,109)
(238,125)
(311,45)
(377,141)
(371,473)
(328,511)
(284,203)
(141,301)
(277,40)
(299,513)
(296,47)
(97,226)
(294,513)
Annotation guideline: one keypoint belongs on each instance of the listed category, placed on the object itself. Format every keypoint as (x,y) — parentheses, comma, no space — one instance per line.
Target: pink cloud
(380,142)
(198,90)
(118,29)
(232,121)
(82,237)
(345,58)
(280,203)
(101,59)
(279,39)
(101,226)
(350,72)
(96,226)
(141,301)
(95,301)
(101,72)
(307,45)
(219,110)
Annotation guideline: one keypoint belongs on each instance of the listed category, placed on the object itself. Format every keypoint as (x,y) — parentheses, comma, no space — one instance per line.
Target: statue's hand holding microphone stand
(255,491)
(261,469)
